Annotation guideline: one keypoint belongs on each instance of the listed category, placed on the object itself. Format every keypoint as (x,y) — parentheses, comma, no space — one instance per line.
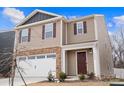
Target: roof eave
(85,17)
(39,22)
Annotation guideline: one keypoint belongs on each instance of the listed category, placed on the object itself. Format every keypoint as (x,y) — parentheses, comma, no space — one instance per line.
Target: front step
(72,78)
(69,78)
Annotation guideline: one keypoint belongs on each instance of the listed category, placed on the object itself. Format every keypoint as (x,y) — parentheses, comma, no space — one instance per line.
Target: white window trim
(18,58)
(48,31)
(42,57)
(50,55)
(23,36)
(82,28)
(31,58)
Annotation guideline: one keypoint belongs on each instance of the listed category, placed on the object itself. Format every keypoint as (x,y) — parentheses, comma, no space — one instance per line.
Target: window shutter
(20,33)
(54,30)
(85,26)
(75,29)
(29,34)
(43,31)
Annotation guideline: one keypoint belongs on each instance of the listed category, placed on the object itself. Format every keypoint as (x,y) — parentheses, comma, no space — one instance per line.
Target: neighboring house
(49,42)
(6,51)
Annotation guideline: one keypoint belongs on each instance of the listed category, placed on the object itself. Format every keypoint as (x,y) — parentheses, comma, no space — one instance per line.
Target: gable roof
(35,12)
(84,17)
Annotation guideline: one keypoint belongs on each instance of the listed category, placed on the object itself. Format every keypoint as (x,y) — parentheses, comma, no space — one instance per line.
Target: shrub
(91,75)
(50,77)
(1,75)
(62,76)
(109,78)
(82,77)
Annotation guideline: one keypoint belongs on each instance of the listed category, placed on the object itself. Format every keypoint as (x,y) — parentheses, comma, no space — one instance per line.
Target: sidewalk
(18,81)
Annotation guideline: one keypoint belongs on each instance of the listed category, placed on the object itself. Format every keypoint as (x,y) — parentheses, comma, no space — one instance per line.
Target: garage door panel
(27,68)
(44,66)
(38,67)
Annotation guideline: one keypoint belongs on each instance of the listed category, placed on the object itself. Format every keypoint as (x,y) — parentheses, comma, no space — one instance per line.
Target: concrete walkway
(18,81)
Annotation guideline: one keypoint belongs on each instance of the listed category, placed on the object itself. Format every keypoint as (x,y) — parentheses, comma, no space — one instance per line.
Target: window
(49,30)
(31,57)
(24,35)
(22,58)
(40,57)
(79,27)
(51,56)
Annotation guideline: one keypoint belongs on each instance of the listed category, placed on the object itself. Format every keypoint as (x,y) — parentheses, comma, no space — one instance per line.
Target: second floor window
(25,35)
(49,30)
(79,27)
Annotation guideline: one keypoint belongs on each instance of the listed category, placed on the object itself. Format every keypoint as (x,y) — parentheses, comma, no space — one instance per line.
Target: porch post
(96,62)
(63,61)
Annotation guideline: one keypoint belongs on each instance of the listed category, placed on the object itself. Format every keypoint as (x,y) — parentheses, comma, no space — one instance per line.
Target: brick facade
(56,50)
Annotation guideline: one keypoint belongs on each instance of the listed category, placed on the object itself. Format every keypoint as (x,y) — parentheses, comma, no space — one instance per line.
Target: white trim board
(61,32)
(79,46)
(39,22)
(96,61)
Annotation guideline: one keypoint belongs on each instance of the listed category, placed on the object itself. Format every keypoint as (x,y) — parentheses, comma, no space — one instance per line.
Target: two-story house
(48,42)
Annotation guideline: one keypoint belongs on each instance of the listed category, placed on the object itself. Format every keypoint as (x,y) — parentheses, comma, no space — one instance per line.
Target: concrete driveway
(18,81)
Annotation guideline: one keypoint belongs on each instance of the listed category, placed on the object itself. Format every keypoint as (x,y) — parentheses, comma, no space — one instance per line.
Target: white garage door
(37,65)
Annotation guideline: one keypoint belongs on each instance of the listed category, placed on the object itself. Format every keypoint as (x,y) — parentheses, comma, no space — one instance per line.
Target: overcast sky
(114,17)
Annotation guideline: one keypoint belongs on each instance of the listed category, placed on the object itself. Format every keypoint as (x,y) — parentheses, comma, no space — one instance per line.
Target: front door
(81,63)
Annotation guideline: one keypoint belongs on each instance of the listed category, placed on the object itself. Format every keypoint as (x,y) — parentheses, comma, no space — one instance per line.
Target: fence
(119,73)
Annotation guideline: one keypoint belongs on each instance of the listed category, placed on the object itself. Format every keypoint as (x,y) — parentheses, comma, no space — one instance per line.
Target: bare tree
(8,65)
(117,40)
(15,67)
(5,61)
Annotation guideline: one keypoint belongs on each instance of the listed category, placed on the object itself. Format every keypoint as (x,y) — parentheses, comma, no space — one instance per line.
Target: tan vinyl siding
(71,63)
(105,52)
(64,33)
(36,40)
(89,36)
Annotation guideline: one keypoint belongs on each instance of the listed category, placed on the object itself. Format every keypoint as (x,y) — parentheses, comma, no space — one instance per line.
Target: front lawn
(71,83)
